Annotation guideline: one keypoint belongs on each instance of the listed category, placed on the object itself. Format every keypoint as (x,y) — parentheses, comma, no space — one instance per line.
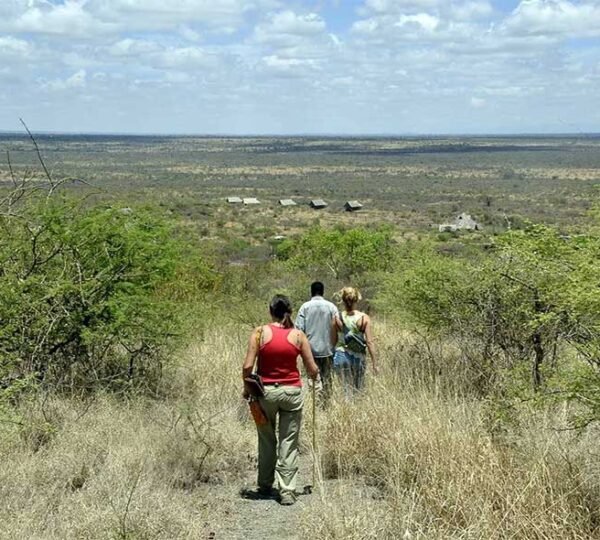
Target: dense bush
(78,292)
(530,310)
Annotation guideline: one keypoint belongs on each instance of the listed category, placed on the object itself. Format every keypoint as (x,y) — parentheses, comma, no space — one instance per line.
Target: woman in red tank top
(278,346)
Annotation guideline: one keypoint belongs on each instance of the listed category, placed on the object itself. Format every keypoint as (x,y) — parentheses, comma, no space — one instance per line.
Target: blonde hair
(350,296)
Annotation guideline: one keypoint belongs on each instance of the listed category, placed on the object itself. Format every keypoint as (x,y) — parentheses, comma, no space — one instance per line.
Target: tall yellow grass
(407,459)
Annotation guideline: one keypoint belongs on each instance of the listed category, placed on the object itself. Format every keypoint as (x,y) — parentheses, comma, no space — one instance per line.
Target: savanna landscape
(129,287)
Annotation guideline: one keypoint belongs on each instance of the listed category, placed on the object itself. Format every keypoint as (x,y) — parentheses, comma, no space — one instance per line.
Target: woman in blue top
(353,330)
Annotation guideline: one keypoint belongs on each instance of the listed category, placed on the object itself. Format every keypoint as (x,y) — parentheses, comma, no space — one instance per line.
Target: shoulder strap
(346,328)
(360,324)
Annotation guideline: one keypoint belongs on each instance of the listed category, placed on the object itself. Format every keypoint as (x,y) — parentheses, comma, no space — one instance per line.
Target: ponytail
(287,321)
(350,297)
(281,310)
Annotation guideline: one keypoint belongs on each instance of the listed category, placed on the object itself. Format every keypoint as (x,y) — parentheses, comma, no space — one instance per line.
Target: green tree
(78,291)
(340,253)
(533,302)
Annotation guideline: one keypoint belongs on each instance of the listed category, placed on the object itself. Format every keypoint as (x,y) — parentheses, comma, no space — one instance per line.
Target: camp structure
(251,200)
(318,204)
(287,202)
(234,200)
(352,206)
(463,222)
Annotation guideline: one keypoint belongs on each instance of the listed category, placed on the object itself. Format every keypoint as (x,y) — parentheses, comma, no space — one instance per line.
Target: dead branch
(39,154)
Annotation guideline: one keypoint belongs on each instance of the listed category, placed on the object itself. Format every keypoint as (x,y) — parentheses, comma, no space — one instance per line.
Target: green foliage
(78,292)
(516,312)
(339,253)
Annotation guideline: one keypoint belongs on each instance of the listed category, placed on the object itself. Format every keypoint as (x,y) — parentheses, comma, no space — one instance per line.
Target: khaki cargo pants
(278,454)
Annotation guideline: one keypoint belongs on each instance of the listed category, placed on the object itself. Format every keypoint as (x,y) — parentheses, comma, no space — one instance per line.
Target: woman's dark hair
(281,310)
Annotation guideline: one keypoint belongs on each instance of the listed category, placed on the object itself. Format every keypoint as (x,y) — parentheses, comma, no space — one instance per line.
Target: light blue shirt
(315,320)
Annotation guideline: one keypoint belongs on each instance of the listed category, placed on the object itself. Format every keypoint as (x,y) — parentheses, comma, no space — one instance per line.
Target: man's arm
(300,323)
(307,358)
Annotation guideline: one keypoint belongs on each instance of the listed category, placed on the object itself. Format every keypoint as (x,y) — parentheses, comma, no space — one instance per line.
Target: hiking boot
(267,492)
(287,499)
(258,494)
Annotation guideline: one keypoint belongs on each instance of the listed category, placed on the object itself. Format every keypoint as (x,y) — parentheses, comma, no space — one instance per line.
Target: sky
(353,67)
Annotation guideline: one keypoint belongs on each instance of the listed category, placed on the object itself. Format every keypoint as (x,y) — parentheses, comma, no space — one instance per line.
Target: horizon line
(307,134)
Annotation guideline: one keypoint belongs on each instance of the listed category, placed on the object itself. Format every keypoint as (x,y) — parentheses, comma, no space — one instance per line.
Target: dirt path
(243,519)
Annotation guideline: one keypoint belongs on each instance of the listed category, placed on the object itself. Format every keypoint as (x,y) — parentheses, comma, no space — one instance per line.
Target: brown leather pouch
(254,385)
(260,418)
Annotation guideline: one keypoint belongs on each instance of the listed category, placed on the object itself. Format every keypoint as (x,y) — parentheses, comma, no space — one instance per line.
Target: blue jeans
(350,368)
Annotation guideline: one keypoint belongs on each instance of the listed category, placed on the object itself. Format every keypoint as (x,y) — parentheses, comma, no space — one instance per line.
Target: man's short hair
(317,289)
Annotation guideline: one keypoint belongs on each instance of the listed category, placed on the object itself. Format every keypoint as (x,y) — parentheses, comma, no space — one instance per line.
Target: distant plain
(410,182)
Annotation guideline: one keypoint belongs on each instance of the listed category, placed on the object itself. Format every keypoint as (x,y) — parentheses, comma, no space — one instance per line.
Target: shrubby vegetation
(80,292)
(340,253)
(525,315)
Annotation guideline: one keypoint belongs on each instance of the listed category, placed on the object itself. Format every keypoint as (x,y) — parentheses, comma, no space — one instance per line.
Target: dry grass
(407,458)
(439,473)
(129,469)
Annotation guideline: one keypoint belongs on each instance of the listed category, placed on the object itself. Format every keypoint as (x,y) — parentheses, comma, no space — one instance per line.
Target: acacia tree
(78,284)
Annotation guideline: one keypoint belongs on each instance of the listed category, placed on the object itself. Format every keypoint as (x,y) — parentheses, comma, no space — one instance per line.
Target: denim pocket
(341,360)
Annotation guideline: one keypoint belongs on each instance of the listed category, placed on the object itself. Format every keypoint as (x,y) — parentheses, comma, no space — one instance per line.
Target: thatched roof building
(463,222)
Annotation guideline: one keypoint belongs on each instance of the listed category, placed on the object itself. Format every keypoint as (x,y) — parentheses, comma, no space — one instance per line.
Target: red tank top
(277,359)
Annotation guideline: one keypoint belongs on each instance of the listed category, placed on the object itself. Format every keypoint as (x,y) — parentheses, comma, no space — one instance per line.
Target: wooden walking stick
(309,489)
(314,436)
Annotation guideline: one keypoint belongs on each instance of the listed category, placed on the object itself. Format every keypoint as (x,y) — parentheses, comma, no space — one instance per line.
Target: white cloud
(189,33)
(139,14)
(13,47)
(471,10)
(548,17)
(92,18)
(133,48)
(477,103)
(423,20)
(287,28)
(77,80)
(182,57)
(288,67)
(70,18)
(398,6)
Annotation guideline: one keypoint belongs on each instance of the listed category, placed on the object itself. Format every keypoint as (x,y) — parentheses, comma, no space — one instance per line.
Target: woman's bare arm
(251,353)
(335,327)
(307,357)
(370,342)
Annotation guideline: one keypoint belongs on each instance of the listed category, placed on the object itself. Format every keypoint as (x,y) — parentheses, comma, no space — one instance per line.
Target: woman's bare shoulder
(296,336)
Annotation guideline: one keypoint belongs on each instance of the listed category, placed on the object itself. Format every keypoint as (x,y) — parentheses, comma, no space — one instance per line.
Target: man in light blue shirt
(315,319)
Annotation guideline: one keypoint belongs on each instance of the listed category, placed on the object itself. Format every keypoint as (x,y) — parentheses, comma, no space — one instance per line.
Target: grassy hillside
(415,456)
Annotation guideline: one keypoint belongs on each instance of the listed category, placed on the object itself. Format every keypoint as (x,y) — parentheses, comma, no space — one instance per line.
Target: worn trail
(244,519)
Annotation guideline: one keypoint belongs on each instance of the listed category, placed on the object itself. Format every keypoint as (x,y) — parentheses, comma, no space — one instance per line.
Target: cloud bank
(267,66)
